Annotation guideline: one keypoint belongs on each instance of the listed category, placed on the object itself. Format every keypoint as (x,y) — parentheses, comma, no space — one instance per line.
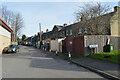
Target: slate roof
(72,25)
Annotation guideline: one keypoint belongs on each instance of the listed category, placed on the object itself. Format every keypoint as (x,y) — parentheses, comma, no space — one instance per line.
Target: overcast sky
(46,13)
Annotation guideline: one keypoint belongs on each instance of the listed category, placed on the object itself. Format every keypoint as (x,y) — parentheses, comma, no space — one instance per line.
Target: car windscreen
(12,46)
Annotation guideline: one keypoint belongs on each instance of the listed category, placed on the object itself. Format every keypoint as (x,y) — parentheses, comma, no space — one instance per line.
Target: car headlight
(13,49)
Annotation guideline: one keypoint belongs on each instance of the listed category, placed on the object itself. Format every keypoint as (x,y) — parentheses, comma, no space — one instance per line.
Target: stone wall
(4,42)
(100,40)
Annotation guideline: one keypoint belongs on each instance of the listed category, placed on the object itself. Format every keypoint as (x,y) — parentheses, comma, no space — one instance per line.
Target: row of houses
(77,38)
(32,41)
(5,35)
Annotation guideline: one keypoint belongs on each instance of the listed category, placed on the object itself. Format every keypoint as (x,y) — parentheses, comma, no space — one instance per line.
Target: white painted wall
(5,38)
(54,45)
(4,32)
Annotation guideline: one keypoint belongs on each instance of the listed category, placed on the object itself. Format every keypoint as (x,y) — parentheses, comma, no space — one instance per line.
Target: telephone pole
(40,32)
(14,32)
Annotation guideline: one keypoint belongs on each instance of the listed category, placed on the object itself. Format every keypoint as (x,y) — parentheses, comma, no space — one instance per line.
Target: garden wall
(100,40)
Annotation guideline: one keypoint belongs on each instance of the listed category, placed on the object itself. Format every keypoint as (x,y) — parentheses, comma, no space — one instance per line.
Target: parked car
(11,48)
(5,50)
(30,44)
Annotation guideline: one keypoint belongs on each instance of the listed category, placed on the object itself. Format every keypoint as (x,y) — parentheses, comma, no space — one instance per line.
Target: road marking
(8,54)
(40,58)
(36,57)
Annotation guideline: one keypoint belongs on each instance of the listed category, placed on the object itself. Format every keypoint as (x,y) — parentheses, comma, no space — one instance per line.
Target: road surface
(30,62)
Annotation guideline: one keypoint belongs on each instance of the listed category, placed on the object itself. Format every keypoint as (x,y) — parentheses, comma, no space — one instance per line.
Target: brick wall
(74,45)
(78,45)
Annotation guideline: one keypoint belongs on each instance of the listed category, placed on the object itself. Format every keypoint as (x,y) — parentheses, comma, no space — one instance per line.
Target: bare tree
(92,16)
(18,23)
(7,15)
(14,20)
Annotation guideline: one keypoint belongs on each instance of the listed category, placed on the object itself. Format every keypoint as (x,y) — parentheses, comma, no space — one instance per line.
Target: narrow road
(32,63)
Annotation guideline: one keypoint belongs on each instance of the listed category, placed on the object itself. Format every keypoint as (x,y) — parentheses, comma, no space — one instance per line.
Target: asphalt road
(30,62)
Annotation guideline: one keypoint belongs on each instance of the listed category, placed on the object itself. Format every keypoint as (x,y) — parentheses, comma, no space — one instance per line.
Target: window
(46,36)
(60,33)
(71,32)
(63,33)
(85,30)
(66,32)
(38,37)
(80,31)
(53,35)
(43,38)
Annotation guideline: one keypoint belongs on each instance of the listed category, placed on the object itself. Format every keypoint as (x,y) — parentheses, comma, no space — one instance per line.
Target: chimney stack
(116,8)
(47,30)
(65,25)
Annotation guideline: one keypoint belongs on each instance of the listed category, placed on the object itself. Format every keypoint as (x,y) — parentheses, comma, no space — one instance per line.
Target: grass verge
(114,56)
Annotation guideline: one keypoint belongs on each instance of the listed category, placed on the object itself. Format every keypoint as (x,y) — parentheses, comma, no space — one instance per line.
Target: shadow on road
(42,60)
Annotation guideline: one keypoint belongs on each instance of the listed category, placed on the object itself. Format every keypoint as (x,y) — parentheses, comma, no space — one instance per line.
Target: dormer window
(79,31)
(71,32)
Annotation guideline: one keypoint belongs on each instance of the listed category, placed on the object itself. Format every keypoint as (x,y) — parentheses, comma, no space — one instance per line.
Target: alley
(32,63)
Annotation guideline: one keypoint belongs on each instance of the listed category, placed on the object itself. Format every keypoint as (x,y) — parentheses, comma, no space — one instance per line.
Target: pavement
(30,62)
(102,67)
(106,69)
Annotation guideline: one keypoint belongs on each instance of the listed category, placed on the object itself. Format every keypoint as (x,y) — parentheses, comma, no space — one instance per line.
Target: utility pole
(40,32)
(14,32)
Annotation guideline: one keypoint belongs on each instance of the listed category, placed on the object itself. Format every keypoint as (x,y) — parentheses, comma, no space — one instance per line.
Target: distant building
(5,35)
(51,39)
